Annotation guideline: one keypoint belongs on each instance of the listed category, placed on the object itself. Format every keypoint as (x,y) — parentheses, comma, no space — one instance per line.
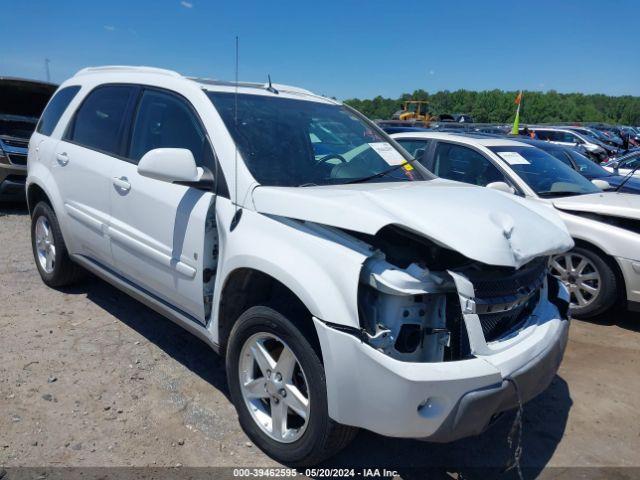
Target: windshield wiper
(382,173)
(559,193)
(626,178)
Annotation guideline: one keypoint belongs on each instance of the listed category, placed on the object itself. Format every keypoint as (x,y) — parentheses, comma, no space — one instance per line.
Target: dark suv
(21,103)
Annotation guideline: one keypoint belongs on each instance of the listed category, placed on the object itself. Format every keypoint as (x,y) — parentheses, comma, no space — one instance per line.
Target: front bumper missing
(440,401)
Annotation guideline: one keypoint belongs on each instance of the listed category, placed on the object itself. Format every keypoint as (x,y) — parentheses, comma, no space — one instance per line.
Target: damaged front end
(420,302)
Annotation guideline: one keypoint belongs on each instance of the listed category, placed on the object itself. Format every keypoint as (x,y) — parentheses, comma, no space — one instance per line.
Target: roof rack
(128,68)
(262,86)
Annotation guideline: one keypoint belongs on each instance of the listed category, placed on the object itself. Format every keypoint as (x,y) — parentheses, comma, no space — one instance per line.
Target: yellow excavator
(417,110)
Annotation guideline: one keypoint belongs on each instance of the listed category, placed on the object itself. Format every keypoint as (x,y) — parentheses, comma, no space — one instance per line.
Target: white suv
(346,286)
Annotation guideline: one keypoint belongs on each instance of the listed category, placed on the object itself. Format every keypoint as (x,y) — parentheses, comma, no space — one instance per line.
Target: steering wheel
(329,157)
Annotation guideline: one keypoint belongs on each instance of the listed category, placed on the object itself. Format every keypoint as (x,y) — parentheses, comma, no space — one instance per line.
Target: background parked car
(568,137)
(21,103)
(604,267)
(573,158)
(625,165)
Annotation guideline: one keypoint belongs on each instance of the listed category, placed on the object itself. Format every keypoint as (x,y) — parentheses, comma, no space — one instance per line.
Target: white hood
(487,226)
(625,205)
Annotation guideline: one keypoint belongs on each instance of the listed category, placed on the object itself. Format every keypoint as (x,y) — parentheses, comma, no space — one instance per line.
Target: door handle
(62,158)
(122,183)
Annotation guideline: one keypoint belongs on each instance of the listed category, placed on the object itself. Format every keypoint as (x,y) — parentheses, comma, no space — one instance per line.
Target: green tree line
(497,106)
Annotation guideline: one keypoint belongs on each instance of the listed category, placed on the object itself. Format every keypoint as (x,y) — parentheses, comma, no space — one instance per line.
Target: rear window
(98,121)
(55,109)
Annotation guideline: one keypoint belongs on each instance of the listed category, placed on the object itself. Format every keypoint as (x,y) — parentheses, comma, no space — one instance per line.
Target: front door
(158,229)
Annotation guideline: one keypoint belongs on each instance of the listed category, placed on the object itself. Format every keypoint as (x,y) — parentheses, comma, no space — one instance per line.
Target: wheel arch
(245,287)
(36,194)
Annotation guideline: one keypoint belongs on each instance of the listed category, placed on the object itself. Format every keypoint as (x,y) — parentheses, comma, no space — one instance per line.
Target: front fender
(316,264)
(614,241)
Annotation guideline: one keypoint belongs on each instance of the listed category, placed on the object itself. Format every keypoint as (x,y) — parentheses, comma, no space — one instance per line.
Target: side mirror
(615,166)
(174,165)
(601,184)
(501,187)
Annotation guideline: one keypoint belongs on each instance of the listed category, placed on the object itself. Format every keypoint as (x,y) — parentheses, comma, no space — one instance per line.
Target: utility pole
(46,68)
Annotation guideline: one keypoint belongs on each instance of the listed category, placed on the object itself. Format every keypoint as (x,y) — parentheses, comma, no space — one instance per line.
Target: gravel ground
(90,377)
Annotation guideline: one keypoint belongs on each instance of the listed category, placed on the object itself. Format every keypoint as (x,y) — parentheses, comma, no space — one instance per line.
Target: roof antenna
(238,212)
(270,87)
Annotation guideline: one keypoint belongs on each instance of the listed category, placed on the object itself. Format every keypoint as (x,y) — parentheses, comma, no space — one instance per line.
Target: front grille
(17,158)
(505,297)
(501,283)
(15,142)
(495,325)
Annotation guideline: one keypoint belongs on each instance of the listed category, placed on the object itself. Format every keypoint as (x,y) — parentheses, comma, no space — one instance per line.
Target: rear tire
(49,250)
(591,280)
(309,441)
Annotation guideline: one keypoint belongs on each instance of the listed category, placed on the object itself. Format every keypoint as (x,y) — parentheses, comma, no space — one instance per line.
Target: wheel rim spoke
(286,364)
(263,358)
(256,388)
(590,276)
(558,268)
(296,401)
(587,288)
(278,419)
(580,268)
(580,298)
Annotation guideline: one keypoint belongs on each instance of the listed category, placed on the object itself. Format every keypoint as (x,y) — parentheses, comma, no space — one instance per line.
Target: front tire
(591,281)
(49,250)
(277,384)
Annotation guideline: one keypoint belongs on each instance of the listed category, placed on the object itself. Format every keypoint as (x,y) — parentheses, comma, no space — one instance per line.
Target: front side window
(290,142)
(415,147)
(464,164)
(546,175)
(166,121)
(55,109)
(98,122)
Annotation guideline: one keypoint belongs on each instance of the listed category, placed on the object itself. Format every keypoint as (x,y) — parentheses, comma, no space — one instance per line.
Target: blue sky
(338,48)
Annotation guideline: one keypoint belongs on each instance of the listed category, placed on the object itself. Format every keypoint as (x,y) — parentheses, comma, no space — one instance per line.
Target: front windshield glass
(546,175)
(287,142)
(587,167)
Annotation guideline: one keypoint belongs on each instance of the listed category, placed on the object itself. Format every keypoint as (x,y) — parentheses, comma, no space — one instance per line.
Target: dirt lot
(90,377)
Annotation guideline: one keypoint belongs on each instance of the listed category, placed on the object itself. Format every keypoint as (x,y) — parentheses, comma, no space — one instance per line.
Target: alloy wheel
(274,387)
(45,245)
(580,276)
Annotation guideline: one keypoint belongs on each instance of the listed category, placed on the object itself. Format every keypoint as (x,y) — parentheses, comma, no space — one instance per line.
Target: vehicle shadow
(173,340)
(13,208)
(483,456)
(618,317)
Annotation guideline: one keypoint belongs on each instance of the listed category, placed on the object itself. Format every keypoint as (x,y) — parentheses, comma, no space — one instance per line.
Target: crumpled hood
(488,226)
(24,98)
(625,205)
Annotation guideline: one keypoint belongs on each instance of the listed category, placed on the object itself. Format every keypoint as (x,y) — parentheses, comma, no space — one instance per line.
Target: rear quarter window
(55,108)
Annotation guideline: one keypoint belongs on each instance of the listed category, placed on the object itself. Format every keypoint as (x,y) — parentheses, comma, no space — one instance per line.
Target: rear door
(82,165)
(158,229)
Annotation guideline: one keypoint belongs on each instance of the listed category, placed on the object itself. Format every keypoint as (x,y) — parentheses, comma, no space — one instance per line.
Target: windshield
(546,175)
(587,167)
(286,142)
